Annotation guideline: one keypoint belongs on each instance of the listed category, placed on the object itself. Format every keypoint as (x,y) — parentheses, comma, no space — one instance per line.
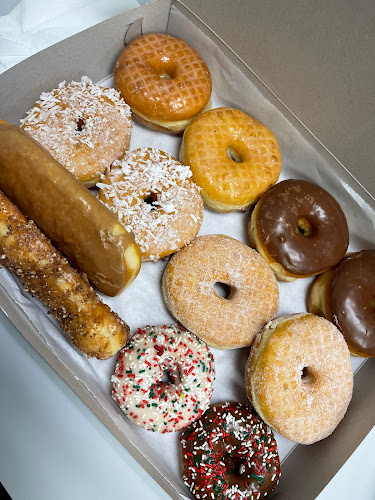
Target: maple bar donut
(233,157)
(229,453)
(84,127)
(345,295)
(164,80)
(189,291)
(76,222)
(299,377)
(163,379)
(299,229)
(153,196)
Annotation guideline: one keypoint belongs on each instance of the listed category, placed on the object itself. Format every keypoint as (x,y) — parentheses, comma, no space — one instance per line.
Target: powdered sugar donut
(163,378)
(299,377)
(84,127)
(153,196)
(189,291)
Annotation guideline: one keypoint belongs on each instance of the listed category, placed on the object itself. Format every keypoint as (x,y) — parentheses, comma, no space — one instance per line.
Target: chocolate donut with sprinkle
(229,453)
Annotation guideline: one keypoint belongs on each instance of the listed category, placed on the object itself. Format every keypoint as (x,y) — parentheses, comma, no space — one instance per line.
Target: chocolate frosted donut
(346,296)
(299,229)
(229,453)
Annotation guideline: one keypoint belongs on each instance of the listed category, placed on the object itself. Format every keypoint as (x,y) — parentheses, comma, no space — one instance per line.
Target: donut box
(304,468)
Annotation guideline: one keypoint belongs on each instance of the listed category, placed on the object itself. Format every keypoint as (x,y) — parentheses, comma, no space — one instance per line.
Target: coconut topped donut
(153,196)
(84,126)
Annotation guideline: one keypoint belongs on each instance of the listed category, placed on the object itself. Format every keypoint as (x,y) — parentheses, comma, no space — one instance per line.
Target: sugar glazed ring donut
(189,291)
(299,377)
(299,229)
(233,157)
(163,378)
(84,127)
(164,80)
(229,453)
(345,295)
(153,196)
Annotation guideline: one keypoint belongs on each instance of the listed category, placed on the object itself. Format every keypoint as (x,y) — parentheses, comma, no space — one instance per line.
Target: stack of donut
(222,292)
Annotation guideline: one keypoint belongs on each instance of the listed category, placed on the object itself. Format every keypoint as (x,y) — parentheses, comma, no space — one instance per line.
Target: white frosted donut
(153,196)
(84,126)
(189,291)
(163,378)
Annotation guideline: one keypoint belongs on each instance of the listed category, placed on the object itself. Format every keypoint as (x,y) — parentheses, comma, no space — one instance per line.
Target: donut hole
(171,373)
(166,70)
(223,290)
(80,124)
(151,199)
(167,378)
(235,465)
(306,375)
(234,155)
(305,227)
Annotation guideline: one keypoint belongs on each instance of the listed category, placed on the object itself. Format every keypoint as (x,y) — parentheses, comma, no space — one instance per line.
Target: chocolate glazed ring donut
(299,229)
(346,296)
(230,453)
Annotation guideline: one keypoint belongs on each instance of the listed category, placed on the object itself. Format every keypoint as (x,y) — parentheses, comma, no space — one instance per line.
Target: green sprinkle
(260,479)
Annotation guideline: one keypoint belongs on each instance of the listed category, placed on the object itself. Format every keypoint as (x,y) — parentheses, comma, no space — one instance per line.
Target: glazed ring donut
(345,295)
(229,453)
(299,377)
(84,127)
(164,80)
(233,157)
(189,291)
(153,196)
(163,378)
(299,229)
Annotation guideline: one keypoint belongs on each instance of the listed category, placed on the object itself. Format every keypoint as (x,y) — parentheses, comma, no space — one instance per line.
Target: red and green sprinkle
(163,379)
(230,454)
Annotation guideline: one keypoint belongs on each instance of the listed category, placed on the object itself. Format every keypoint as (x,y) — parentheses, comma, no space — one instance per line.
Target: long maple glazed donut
(76,222)
(299,377)
(164,80)
(299,229)
(233,157)
(345,295)
(189,290)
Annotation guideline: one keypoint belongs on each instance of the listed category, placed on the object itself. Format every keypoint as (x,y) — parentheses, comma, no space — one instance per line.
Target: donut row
(223,293)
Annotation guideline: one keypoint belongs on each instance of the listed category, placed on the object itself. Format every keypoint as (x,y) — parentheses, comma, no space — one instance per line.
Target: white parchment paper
(142,304)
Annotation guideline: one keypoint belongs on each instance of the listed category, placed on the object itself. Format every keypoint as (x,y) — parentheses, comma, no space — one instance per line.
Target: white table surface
(53,447)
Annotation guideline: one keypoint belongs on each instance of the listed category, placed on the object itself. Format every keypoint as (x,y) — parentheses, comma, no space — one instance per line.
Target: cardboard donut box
(306,470)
